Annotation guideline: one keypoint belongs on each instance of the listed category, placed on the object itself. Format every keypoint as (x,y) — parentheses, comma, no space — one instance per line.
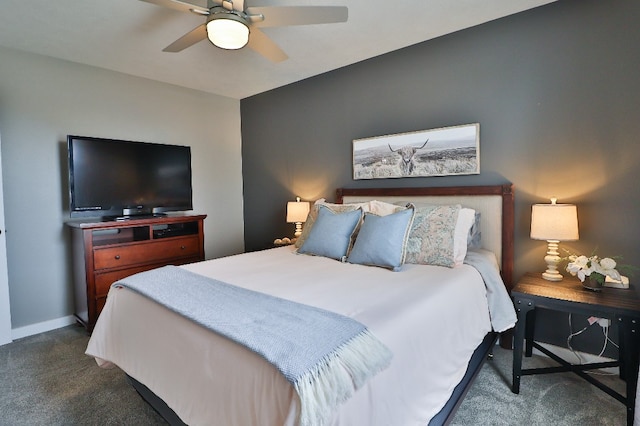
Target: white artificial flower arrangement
(593,267)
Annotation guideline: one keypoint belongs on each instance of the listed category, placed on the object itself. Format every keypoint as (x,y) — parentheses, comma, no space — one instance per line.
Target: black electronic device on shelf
(175,230)
(124,179)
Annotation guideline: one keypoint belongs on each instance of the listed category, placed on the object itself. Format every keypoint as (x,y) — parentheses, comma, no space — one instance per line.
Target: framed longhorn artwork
(437,152)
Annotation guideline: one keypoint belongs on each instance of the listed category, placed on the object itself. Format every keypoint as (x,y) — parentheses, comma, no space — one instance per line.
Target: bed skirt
(444,417)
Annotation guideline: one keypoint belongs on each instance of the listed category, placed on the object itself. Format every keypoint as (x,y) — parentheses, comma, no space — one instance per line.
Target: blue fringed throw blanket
(326,356)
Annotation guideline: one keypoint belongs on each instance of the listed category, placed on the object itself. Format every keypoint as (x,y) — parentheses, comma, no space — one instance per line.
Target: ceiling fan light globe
(227,32)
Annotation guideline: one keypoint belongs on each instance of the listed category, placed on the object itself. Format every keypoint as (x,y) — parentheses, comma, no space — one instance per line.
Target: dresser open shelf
(107,251)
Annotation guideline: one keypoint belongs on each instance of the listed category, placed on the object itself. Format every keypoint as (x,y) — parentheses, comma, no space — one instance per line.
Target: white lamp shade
(228,33)
(557,222)
(297,211)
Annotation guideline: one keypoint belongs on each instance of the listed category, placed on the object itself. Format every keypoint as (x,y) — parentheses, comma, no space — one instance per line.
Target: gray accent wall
(42,100)
(555,90)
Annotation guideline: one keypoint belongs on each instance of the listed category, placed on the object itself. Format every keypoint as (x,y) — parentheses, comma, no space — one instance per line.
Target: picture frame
(445,151)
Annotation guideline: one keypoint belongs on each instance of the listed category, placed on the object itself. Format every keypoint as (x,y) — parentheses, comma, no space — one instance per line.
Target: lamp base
(552,276)
(552,259)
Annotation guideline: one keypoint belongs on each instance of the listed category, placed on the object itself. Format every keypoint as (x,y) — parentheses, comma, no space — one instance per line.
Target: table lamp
(297,212)
(554,223)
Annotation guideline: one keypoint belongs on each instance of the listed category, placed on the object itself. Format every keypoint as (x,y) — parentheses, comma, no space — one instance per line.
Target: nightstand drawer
(118,257)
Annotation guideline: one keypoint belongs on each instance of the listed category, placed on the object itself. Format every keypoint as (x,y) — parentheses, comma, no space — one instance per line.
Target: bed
(437,322)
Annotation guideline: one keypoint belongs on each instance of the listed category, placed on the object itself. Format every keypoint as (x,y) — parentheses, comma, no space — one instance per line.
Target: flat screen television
(112,178)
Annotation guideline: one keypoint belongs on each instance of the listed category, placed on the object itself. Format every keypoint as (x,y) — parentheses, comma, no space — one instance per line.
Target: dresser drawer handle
(182,247)
(116,257)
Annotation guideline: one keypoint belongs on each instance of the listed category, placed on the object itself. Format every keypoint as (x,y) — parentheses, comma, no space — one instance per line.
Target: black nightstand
(568,295)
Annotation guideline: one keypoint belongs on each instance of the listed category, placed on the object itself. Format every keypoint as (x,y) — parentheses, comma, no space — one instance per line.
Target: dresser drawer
(124,256)
(104,280)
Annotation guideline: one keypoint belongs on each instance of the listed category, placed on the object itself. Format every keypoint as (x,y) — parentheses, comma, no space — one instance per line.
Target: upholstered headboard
(495,204)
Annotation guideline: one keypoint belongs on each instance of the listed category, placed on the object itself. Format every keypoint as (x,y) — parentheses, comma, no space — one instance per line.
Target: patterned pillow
(331,234)
(313,214)
(381,240)
(431,239)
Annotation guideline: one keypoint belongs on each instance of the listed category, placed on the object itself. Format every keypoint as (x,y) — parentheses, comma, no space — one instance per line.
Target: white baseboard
(569,356)
(41,327)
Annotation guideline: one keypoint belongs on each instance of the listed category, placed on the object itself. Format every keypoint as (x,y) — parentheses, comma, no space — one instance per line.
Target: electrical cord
(611,341)
(571,336)
(605,332)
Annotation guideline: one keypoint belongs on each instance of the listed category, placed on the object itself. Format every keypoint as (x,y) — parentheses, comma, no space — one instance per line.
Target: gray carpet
(559,399)
(47,380)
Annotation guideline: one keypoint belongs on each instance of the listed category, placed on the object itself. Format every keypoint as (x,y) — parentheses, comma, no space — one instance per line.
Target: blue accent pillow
(331,233)
(382,240)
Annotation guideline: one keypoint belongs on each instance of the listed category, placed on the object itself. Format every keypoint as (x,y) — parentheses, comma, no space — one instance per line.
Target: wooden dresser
(104,252)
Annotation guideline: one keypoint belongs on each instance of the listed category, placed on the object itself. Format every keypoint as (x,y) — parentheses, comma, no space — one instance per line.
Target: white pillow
(466,219)
(380,208)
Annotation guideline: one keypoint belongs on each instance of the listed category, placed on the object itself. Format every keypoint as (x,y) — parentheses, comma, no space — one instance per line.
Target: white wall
(44,99)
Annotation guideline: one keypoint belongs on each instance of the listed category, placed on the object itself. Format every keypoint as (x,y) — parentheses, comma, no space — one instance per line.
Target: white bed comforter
(432,318)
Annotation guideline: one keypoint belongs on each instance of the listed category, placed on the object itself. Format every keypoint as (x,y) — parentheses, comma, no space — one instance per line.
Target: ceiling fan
(229,25)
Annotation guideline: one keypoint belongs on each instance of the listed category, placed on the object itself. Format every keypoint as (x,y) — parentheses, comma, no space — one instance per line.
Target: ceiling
(128,36)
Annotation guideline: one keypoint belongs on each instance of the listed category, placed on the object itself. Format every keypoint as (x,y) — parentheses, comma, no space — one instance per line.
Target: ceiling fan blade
(178,5)
(280,16)
(199,33)
(262,44)
(237,5)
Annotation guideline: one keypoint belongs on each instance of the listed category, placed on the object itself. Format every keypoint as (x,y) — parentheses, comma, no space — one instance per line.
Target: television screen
(109,177)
